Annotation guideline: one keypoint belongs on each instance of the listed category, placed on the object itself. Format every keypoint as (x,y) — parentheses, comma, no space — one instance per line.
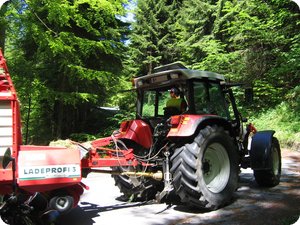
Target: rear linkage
(100,153)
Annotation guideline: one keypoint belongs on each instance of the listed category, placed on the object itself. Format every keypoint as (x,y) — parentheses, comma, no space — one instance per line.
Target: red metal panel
(109,158)
(44,168)
(108,162)
(138,131)
(101,142)
(8,94)
(185,126)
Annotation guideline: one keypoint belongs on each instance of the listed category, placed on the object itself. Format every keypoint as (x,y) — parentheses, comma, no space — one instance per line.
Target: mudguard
(137,131)
(186,125)
(260,152)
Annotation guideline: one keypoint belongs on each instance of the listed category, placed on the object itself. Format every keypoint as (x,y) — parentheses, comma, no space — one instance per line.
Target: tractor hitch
(156,176)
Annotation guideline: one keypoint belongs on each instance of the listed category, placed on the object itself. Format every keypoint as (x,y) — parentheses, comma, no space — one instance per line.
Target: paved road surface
(252,205)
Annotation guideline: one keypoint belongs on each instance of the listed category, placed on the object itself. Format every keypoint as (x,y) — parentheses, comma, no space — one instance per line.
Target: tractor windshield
(199,97)
(154,103)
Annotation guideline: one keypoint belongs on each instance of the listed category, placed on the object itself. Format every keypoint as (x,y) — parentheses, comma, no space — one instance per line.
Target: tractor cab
(202,92)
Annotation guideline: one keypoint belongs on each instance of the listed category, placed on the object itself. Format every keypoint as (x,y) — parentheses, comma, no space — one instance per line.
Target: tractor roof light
(140,83)
(174,75)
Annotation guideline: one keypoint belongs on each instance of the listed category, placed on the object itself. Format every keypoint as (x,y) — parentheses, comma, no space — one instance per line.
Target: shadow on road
(84,214)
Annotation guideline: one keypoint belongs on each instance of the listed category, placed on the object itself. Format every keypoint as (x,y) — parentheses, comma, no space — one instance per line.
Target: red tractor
(193,152)
(190,151)
(36,182)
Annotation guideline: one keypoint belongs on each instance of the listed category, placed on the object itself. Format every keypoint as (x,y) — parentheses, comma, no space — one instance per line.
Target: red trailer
(48,173)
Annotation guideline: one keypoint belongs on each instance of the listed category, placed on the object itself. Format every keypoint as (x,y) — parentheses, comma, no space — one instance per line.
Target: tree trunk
(3,23)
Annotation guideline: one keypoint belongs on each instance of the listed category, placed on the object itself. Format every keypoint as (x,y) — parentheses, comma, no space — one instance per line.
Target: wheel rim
(63,203)
(216,167)
(275,161)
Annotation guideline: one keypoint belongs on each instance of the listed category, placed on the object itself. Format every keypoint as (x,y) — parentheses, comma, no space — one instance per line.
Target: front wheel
(205,172)
(271,176)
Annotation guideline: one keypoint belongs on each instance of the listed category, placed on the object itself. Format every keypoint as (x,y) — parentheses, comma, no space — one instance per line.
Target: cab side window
(218,104)
(209,99)
(200,98)
(149,104)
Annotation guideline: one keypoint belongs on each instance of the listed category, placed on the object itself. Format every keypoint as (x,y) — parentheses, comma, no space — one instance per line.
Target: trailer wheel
(270,177)
(205,172)
(62,204)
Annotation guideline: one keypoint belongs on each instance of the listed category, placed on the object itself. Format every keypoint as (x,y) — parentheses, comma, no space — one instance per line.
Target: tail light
(175,120)
(251,128)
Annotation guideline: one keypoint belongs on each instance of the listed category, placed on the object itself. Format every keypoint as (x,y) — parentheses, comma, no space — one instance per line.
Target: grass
(285,121)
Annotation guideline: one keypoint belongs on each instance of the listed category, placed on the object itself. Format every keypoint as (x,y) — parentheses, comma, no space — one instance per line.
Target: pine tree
(264,34)
(153,36)
(75,49)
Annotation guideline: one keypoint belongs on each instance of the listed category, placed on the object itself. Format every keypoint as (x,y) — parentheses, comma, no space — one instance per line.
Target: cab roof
(173,73)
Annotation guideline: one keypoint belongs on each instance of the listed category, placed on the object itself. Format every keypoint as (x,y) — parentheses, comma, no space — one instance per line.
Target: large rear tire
(270,177)
(205,172)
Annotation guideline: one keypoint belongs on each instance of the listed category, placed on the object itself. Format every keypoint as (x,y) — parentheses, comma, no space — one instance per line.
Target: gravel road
(252,205)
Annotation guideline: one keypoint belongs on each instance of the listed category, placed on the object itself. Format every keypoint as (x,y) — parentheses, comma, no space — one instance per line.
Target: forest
(70,59)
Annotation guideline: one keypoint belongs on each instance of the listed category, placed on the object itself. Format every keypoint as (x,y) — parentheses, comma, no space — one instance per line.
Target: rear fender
(137,131)
(260,152)
(187,125)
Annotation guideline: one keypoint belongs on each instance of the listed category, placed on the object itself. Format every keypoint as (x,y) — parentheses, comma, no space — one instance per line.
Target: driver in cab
(176,104)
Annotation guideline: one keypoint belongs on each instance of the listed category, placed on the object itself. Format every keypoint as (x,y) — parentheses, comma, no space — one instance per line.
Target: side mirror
(249,95)
(6,158)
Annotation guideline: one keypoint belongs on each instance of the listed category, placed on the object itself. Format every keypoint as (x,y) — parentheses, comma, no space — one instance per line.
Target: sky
(130,7)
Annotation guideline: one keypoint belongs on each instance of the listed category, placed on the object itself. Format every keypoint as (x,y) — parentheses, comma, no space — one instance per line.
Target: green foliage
(153,36)
(82,137)
(3,25)
(71,55)
(284,119)
(195,29)
(253,42)
(122,116)
(68,58)
(266,94)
